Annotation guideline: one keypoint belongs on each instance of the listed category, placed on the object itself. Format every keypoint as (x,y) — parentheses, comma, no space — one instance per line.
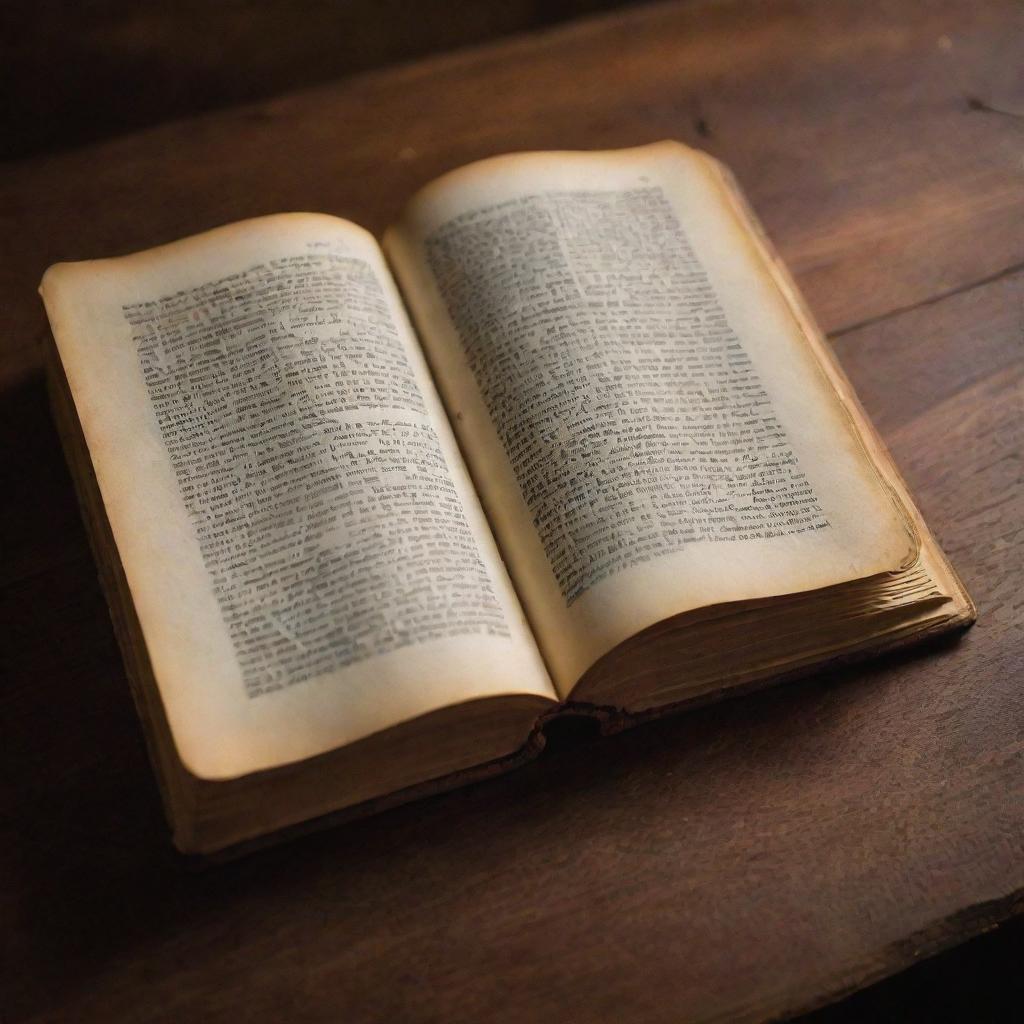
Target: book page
(306,554)
(644,420)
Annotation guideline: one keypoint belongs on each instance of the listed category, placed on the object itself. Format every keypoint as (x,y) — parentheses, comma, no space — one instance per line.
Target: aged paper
(645,423)
(307,557)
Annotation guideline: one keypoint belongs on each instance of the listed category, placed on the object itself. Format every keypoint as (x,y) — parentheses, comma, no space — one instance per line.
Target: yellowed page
(305,551)
(645,422)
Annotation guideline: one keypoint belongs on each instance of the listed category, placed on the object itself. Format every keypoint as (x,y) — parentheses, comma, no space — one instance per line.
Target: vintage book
(369,515)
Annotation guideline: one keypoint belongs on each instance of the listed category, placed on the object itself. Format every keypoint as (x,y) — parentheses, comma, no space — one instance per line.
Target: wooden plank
(743,861)
(69,73)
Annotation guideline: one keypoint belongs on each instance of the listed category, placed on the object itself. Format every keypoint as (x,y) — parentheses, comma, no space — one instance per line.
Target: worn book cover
(369,513)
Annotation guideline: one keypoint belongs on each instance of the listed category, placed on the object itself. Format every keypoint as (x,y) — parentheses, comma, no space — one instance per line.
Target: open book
(368,515)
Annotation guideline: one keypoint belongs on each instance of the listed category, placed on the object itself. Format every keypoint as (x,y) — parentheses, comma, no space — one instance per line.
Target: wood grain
(83,72)
(744,861)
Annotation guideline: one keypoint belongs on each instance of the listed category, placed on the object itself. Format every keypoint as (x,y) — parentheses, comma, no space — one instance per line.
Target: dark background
(73,73)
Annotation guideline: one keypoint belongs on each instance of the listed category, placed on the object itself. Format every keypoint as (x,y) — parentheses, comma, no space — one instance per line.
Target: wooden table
(747,860)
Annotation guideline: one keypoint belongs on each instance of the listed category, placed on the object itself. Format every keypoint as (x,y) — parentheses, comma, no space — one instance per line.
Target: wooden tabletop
(743,861)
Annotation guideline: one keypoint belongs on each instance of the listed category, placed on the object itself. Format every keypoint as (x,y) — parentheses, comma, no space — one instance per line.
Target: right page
(644,419)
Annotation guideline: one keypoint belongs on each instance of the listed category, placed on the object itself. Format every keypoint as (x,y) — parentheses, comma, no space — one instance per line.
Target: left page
(305,552)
